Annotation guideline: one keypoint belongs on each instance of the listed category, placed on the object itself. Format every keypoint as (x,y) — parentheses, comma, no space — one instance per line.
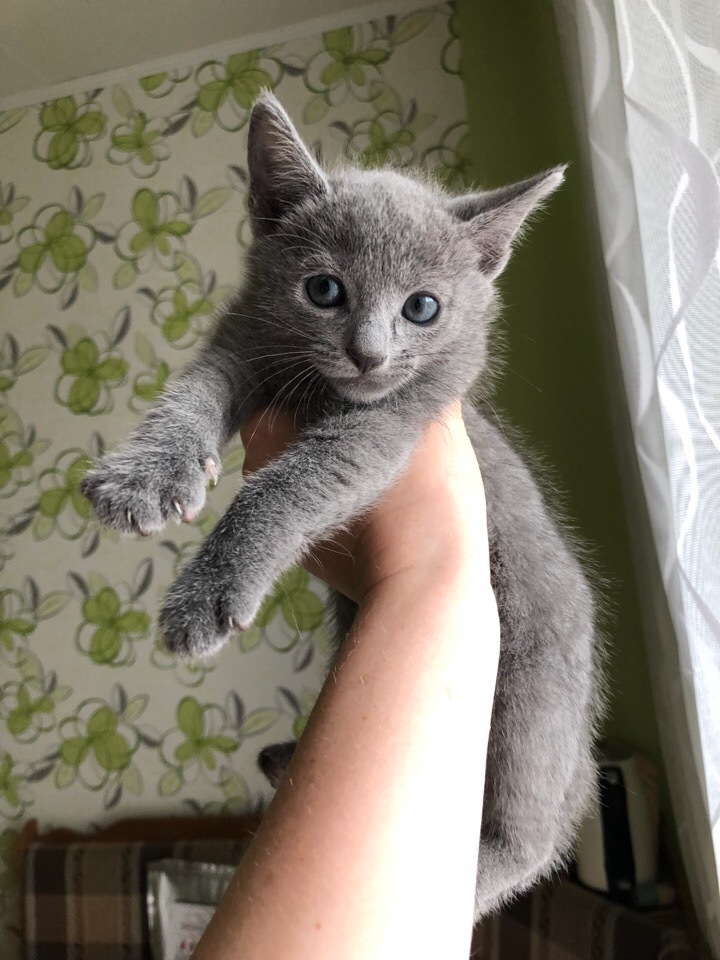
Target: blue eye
(420,308)
(325,291)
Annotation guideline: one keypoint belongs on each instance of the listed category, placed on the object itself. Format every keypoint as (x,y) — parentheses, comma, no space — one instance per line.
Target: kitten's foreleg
(338,468)
(163,469)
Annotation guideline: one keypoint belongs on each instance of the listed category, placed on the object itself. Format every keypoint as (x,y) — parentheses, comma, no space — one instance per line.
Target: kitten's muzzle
(365,362)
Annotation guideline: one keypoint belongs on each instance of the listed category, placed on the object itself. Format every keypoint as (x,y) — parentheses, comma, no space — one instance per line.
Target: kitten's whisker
(280,355)
(318,383)
(273,323)
(257,425)
(498,420)
(273,405)
(528,382)
(307,379)
(287,390)
(297,384)
(264,381)
(309,389)
(441,352)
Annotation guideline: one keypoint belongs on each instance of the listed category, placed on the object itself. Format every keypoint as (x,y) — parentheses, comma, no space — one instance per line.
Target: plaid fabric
(562,921)
(86,901)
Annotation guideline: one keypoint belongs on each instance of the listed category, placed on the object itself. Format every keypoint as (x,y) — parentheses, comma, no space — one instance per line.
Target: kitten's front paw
(202,607)
(137,489)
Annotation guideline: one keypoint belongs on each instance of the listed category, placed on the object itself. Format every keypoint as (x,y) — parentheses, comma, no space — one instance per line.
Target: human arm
(360,855)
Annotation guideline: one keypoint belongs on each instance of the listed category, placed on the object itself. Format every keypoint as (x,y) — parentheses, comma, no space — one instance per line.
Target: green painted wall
(555,386)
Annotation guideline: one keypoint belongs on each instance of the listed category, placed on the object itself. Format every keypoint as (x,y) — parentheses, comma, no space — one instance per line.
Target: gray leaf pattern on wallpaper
(647,76)
(123,215)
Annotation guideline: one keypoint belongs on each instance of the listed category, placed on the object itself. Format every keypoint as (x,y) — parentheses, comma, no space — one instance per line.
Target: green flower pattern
(18,451)
(60,507)
(297,705)
(15,795)
(54,250)
(55,242)
(123,223)
(14,361)
(14,627)
(388,138)
(149,384)
(97,746)
(89,370)
(181,311)
(205,736)
(11,118)
(140,143)
(28,704)
(228,90)
(159,224)
(349,65)
(157,85)
(66,130)
(21,610)
(110,627)
(10,206)
(451,157)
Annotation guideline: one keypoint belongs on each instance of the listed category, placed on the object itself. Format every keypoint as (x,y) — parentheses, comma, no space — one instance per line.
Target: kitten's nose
(365,362)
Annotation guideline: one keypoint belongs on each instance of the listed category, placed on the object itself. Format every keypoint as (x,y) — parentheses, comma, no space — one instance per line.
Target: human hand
(430,522)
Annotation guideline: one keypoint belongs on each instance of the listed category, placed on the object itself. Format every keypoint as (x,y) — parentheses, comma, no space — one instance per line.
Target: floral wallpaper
(122,224)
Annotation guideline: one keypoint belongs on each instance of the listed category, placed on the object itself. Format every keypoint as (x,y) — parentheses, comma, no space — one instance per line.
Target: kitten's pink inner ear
(283,173)
(496,218)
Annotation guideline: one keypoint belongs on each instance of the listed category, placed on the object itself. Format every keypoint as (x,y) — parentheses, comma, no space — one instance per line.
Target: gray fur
(386,236)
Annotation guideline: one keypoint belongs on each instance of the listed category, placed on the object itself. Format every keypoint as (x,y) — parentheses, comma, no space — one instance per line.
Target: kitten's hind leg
(341,616)
(274,760)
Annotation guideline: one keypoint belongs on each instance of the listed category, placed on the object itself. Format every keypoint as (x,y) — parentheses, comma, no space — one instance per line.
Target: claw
(178,507)
(211,470)
(131,523)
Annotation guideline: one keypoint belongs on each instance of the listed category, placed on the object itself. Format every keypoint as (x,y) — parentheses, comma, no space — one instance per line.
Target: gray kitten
(367,305)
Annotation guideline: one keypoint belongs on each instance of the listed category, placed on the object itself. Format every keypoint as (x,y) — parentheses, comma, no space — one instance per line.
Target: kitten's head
(379,279)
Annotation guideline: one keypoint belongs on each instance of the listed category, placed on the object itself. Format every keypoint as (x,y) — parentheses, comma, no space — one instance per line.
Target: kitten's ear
(283,172)
(496,217)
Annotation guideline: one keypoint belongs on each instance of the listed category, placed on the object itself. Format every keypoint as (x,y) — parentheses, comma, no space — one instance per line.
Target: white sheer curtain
(646,78)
